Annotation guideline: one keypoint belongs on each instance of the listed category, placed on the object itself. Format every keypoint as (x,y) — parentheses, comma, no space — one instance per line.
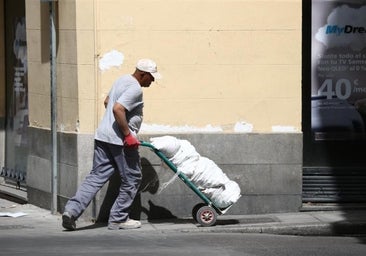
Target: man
(116,149)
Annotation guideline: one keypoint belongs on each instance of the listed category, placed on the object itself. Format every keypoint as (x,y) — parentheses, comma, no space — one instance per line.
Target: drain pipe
(54,179)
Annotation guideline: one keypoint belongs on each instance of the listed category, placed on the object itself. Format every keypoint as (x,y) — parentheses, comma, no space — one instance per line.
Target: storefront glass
(338,81)
(16,139)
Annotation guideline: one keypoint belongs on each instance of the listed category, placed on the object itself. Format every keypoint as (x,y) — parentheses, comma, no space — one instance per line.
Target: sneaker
(68,221)
(128,224)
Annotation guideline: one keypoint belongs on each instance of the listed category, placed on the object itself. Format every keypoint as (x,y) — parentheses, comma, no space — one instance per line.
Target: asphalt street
(29,230)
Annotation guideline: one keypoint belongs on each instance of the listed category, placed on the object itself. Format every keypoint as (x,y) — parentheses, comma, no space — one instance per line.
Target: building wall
(2,62)
(75,65)
(2,85)
(267,167)
(231,65)
(270,180)
(226,61)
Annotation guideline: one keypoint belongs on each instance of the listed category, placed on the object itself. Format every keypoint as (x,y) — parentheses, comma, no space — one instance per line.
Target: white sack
(168,145)
(186,158)
(203,172)
(224,196)
(180,152)
(208,175)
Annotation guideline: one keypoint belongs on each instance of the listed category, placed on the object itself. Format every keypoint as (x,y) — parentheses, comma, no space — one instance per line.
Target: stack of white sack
(203,172)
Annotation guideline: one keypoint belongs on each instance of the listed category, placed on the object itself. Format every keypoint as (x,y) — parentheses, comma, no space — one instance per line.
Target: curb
(318,229)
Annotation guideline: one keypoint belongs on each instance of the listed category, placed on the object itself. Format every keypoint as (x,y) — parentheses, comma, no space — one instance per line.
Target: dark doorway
(16,120)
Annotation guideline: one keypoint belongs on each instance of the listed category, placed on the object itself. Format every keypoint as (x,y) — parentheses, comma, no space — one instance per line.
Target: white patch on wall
(111,59)
(243,127)
(157,128)
(239,127)
(285,129)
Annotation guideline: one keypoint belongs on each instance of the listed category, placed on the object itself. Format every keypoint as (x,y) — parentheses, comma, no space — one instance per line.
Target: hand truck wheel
(195,210)
(206,216)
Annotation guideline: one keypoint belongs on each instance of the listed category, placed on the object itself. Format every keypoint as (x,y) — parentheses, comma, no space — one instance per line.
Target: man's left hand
(131,141)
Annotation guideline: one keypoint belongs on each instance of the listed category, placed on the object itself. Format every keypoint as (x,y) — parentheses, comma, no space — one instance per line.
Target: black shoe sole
(68,223)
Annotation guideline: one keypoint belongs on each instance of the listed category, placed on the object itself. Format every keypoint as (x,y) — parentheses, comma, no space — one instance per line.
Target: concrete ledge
(268,168)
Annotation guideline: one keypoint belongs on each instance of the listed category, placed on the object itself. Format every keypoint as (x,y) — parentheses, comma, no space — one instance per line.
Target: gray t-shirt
(126,91)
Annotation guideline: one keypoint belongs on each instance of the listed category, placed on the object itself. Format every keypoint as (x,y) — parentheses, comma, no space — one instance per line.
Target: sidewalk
(309,223)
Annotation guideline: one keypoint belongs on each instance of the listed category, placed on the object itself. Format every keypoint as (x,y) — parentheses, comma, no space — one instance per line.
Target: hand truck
(204,213)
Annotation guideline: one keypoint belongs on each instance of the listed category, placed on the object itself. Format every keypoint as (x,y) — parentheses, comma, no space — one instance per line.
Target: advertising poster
(338,75)
(20,83)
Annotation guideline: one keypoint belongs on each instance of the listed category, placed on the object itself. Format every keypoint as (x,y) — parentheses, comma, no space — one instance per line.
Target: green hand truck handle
(181,175)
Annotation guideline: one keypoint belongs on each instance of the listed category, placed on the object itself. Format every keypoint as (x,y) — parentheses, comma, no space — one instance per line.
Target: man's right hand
(131,141)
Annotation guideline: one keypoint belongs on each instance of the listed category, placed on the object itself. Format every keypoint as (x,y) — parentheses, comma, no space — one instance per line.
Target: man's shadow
(150,184)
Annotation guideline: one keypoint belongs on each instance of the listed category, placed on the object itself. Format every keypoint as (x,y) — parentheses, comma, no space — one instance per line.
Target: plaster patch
(111,59)
(158,128)
(281,128)
(243,127)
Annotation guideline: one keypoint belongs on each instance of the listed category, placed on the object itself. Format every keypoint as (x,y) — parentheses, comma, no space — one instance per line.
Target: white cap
(148,65)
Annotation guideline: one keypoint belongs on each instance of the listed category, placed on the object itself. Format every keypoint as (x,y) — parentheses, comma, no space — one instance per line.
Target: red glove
(131,141)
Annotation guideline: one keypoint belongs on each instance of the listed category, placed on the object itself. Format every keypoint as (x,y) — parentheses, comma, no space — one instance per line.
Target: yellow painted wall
(2,61)
(75,65)
(222,61)
(38,63)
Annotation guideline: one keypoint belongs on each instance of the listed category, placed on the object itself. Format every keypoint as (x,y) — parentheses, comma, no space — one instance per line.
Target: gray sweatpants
(107,159)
